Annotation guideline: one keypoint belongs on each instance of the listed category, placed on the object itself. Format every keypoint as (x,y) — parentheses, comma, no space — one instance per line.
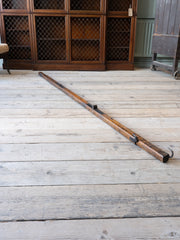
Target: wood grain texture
(111,229)
(82,113)
(105,104)
(93,201)
(108,84)
(88,173)
(122,96)
(19,135)
(88,123)
(78,151)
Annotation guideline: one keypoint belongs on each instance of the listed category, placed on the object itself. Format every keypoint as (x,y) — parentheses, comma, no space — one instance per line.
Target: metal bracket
(172,153)
(94,107)
(134,139)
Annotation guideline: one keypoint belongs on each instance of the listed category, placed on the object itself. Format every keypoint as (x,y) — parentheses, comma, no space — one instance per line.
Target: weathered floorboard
(116,93)
(91,201)
(93,97)
(97,85)
(108,229)
(88,123)
(82,113)
(79,151)
(84,135)
(105,104)
(88,172)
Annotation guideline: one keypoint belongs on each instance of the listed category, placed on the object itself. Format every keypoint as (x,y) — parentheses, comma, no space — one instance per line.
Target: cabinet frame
(35,39)
(48,11)
(88,12)
(69,63)
(101,39)
(20,11)
(27,64)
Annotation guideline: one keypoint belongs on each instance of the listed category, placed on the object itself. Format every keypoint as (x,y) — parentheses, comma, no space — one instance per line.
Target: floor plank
(69,104)
(82,113)
(19,135)
(88,173)
(89,201)
(111,229)
(93,97)
(88,123)
(89,92)
(79,151)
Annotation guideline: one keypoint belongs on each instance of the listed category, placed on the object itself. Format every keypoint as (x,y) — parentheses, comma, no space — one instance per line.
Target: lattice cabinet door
(86,39)
(14,4)
(88,5)
(17,37)
(59,5)
(118,39)
(51,38)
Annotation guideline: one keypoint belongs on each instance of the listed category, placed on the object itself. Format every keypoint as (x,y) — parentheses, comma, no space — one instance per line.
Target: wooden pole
(126,132)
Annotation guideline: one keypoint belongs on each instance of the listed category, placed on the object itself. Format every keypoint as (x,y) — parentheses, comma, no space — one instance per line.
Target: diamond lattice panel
(51,41)
(85,50)
(93,5)
(49,4)
(119,5)
(85,39)
(52,50)
(23,53)
(118,39)
(17,37)
(14,4)
(16,23)
(85,28)
(118,54)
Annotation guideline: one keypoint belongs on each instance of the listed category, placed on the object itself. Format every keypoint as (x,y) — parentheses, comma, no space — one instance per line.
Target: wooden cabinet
(68,34)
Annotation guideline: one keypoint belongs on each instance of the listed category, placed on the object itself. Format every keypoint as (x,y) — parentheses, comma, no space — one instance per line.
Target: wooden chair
(166,37)
(4,49)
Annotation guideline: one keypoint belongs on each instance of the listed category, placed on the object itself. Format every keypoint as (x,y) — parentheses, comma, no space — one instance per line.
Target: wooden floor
(66,175)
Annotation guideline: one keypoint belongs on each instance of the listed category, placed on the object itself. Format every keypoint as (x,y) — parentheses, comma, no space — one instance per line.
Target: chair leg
(175,71)
(6,59)
(175,65)
(154,58)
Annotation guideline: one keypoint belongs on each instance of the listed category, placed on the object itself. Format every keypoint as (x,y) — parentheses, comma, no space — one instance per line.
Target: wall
(145,28)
